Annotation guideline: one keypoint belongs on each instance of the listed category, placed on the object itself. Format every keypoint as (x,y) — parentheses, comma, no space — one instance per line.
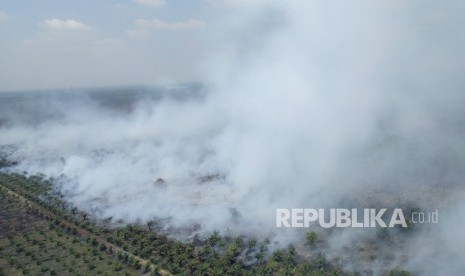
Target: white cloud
(3,16)
(175,26)
(151,3)
(69,24)
(66,35)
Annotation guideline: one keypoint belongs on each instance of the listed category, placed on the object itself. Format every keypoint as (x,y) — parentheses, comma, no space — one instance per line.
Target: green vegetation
(46,236)
(61,239)
(31,244)
(311,239)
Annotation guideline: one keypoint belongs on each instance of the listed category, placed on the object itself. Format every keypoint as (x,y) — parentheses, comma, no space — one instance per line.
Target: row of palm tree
(210,256)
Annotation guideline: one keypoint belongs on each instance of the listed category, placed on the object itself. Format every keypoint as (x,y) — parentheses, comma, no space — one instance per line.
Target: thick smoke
(309,104)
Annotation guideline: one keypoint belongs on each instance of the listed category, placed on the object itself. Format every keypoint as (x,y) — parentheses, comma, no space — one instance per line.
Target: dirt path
(83,232)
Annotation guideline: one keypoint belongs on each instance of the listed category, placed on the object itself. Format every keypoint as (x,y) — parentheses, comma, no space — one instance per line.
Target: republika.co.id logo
(341,217)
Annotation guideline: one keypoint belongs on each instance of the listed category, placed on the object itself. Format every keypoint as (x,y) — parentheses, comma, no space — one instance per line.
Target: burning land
(232,138)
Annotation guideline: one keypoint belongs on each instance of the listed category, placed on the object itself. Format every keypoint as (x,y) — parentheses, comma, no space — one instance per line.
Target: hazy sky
(62,44)
(65,44)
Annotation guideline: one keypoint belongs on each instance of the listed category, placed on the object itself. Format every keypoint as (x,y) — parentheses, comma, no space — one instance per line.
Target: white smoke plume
(308,104)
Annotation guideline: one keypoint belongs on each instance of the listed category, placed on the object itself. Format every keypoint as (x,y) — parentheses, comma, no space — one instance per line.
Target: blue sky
(65,44)
(61,44)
